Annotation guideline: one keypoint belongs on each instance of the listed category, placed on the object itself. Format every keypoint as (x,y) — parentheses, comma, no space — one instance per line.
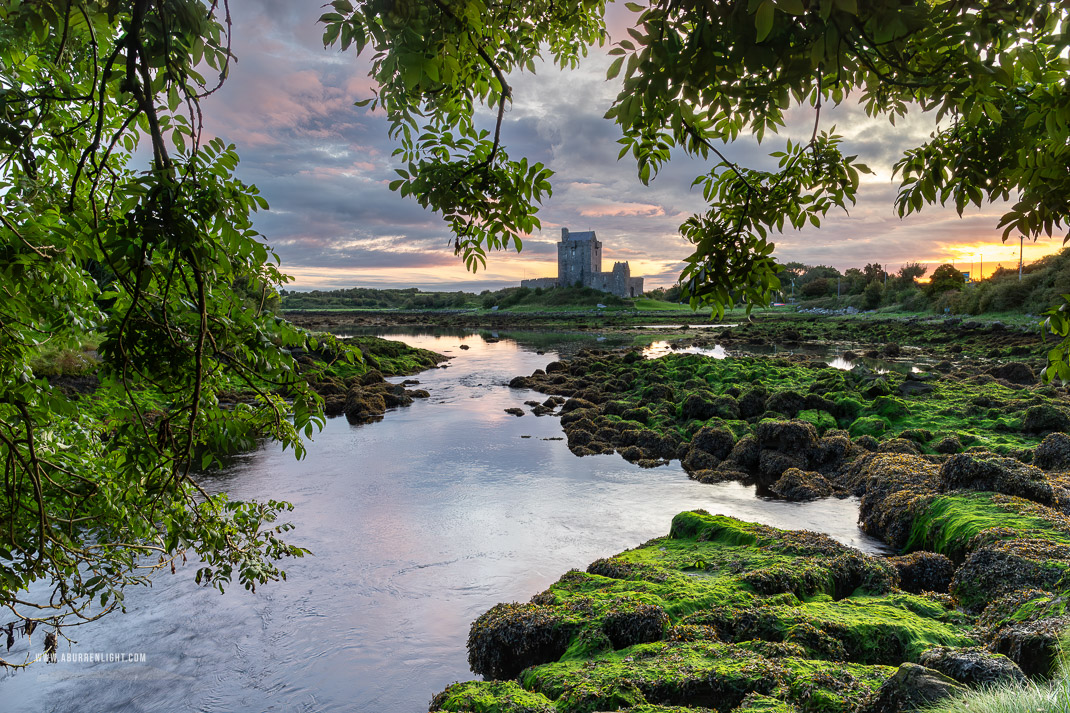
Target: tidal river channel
(419,523)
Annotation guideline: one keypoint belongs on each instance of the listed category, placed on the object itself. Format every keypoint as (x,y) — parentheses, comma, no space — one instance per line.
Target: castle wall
(635,287)
(543,282)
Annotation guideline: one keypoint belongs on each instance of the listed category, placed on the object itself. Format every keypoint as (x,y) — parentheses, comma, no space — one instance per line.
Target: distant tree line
(371,298)
(414,299)
(948,290)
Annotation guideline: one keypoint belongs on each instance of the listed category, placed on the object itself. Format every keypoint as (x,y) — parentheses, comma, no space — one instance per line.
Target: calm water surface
(419,524)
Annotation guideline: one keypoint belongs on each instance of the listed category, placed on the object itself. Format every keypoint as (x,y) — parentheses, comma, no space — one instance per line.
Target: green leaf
(614,68)
(763,19)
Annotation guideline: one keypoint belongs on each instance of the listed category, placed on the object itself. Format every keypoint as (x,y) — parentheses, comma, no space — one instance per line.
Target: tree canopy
(699,74)
(118,223)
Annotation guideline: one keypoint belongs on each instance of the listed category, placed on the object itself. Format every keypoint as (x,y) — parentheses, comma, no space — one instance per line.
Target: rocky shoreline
(359,391)
(964,471)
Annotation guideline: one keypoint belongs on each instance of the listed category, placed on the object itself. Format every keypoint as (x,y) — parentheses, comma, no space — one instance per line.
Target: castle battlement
(579,262)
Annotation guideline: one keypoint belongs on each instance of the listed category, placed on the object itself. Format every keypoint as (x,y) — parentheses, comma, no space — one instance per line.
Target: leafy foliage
(162,263)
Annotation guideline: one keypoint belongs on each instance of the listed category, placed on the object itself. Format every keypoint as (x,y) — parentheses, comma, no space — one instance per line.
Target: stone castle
(579,261)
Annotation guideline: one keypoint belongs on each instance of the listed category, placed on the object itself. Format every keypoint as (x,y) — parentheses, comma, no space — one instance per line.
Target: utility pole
(1021,248)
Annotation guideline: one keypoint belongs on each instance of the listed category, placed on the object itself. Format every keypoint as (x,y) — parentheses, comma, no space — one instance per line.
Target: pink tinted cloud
(620,209)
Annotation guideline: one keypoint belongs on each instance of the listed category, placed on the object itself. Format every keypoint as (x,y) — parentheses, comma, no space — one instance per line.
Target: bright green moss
(875,426)
(949,522)
(757,703)
(822,420)
(706,674)
(491,697)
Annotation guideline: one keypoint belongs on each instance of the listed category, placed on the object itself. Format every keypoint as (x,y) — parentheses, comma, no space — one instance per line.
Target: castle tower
(579,258)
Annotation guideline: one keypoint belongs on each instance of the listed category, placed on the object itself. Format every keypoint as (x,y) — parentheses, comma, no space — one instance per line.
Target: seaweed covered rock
(752,403)
(773,463)
(708,448)
(948,445)
(635,623)
(831,450)
(746,453)
(793,437)
(967,471)
(720,614)
(913,687)
(703,405)
(1053,453)
(923,572)
(575,404)
(1045,418)
(334,404)
(1033,645)
(1015,372)
(363,405)
(1005,566)
(898,445)
(896,487)
(787,402)
(800,485)
(510,637)
(972,666)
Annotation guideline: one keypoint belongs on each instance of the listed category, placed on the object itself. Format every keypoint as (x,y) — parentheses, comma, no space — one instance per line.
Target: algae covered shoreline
(962,469)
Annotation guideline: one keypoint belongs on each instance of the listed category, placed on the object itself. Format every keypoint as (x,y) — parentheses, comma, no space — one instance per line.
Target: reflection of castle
(579,260)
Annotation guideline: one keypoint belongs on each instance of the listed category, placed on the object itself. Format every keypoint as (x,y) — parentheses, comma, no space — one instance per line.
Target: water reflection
(418,523)
(661,348)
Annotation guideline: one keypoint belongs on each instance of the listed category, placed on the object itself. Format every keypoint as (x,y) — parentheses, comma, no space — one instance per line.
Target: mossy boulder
(1005,566)
(1034,645)
(868,426)
(1045,418)
(889,407)
(721,614)
(800,485)
(635,623)
(708,448)
(752,403)
(703,405)
(786,402)
(898,445)
(363,405)
(794,437)
(746,453)
(912,688)
(973,666)
(1002,475)
(923,572)
(510,637)
(1053,453)
(772,464)
(896,488)
(1015,372)
(948,445)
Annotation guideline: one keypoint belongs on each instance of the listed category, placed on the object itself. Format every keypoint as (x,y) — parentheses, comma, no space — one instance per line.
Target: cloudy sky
(324,164)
